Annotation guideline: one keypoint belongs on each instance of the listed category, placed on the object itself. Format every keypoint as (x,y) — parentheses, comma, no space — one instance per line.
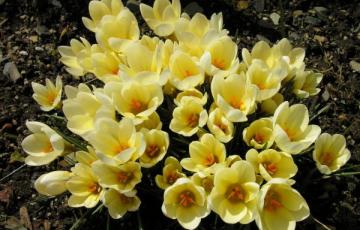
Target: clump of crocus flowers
(188,85)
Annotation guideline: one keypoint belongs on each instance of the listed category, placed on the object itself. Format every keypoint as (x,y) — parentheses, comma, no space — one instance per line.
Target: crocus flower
(185,202)
(291,128)
(330,153)
(280,206)
(234,195)
(48,96)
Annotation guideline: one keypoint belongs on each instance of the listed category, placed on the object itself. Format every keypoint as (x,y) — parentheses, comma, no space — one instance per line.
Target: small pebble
(24,53)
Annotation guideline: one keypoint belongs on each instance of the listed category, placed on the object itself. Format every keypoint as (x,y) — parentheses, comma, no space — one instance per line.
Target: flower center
(221,126)
(207,184)
(119,148)
(172,177)
(136,106)
(187,73)
(48,148)
(272,201)
(152,151)
(326,159)
(51,97)
(186,199)
(94,188)
(219,63)
(259,138)
(270,167)
(124,177)
(211,159)
(193,120)
(237,104)
(235,194)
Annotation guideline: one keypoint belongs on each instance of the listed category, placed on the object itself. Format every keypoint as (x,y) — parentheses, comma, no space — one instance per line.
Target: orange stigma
(186,199)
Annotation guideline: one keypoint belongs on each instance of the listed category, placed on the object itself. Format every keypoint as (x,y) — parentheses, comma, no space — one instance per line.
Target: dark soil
(30,31)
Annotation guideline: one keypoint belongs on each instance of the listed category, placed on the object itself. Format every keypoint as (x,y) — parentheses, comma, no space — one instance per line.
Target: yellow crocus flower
(270,105)
(157,144)
(220,126)
(305,83)
(106,66)
(52,183)
(268,81)
(135,100)
(291,128)
(122,177)
(205,155)
(272,164)
(86,157)
(161,18)
(191,93)
(185,72)
(84,108)
(77,56)
(119,204)
(280,206)
(205,180)
(234,195)
(330,153)
(259,134)
(234,96)
(117,142)
(114,33)
(84,187)
(220,57)
(188,116)
(48,96)
(171,172)
(43,146)
(185,202)
(152,122)
(100,9)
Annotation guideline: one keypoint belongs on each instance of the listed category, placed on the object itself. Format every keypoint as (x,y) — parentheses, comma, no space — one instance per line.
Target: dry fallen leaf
(5,195)
(24,218)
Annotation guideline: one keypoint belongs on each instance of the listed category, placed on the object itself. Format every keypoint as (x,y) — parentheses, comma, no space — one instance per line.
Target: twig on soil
(319,222)
(12,173)
(324,109)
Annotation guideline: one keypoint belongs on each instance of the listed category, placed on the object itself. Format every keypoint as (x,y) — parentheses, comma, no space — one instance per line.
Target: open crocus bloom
(43,146)
(188,116)
(185,73)
(116,32)
(205,155)
(119,203)
(106,66)
(234,194)
(291,128)
(116,143)
(162,17)
(157,143)
(48,96)
(220,57)
(259,134)
(52,183)
(220,126)
(330,153)
(185,202)
(99,9)
(274,56)
(84,187)
(268,81)
(280,206)
(234,96)
(122,177)
(272,164)
(171,172)
(84,108)
(149,70)
(86,157)
(134,100)
(77,56)
(305,83)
